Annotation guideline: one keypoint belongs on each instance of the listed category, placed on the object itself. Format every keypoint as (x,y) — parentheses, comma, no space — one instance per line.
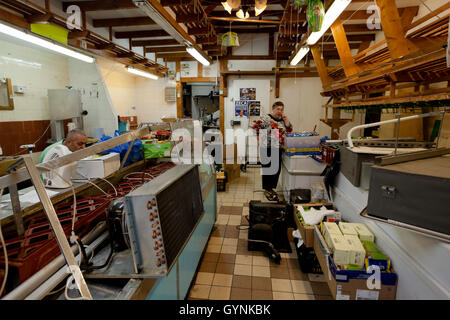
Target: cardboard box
(307,232)
(357,253)
(364,233)
(97,166)
(340,249)
(233,171)
(351,284)
(347,229)
(330,228)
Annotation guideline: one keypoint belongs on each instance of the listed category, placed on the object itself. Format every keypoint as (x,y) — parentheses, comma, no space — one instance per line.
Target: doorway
(201,102)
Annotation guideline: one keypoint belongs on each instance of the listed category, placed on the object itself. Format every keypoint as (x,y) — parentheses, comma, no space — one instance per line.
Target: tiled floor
(228,271)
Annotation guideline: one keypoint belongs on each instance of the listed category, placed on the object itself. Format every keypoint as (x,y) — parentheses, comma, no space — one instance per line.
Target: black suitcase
(276,218)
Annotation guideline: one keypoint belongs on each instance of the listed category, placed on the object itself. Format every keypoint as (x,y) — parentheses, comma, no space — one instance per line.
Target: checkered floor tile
(228,271)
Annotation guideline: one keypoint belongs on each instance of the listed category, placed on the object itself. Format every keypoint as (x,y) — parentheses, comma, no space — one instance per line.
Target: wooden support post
(222,107)
(392,90)
(408,15)
(277,80)
(321,67)
(17,210)
(199,70)
(179,90)
(395,35)
(340,38)
(223,68)
(223,82)
(335,126)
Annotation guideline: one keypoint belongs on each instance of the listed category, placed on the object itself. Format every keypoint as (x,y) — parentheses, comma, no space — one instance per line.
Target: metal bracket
(15,200)
(412,156)
(57,228)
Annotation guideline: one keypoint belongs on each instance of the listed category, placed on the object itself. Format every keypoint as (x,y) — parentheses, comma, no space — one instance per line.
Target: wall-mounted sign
(247,93)
(241,105)
(254,108)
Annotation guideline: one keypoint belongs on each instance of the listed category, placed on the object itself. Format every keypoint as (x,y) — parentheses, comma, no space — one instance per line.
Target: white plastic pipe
(45,288)
(363,126)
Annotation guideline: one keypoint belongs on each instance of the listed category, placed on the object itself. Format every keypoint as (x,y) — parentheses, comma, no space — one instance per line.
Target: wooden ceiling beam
(245,21)
(14,19)
(166,49)
(265,13)
(407,16)
(211,47)
(149,43)
(173,3)
(199,31)
(330,39)
(37,18)
(210,8)
(390,19)
(206,40)
(122,22)
(253,30)
(188,18)
(106,46)
(340,38)
(125,55)
(186,36)
(321,67)
(100,5)
(176,55)
(364,15)
(78,34)
(140,34)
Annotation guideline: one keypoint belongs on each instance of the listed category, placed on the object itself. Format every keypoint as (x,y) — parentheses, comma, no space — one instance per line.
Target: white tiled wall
(36,69)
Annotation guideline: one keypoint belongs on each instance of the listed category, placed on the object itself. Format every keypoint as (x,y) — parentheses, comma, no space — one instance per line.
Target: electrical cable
(4,251)
(35,141)
(89,181)
(129,174)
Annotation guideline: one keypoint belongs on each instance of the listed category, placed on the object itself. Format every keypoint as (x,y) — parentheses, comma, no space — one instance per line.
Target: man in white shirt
(76,140)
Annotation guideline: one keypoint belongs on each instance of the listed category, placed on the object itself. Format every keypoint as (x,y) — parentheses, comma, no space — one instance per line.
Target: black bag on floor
(307,259)
(275,217)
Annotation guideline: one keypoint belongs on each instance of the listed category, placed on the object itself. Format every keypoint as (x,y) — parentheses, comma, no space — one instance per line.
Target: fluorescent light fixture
(160,20)
(142,73)
(299,56)
(227,7)
(331,15)
(44,43)
(193,52)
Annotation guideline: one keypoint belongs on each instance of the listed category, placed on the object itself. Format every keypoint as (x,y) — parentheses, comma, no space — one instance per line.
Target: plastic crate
(307,259)
(221,185)
(328,154)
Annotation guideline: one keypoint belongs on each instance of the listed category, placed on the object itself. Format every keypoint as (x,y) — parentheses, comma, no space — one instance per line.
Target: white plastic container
(299,172)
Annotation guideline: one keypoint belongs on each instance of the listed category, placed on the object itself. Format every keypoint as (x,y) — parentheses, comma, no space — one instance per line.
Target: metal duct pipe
(363,126)
(43,290)
(22,291)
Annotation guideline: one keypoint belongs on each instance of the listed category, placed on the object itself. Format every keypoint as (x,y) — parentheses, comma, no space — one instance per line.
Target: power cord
(86,179)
